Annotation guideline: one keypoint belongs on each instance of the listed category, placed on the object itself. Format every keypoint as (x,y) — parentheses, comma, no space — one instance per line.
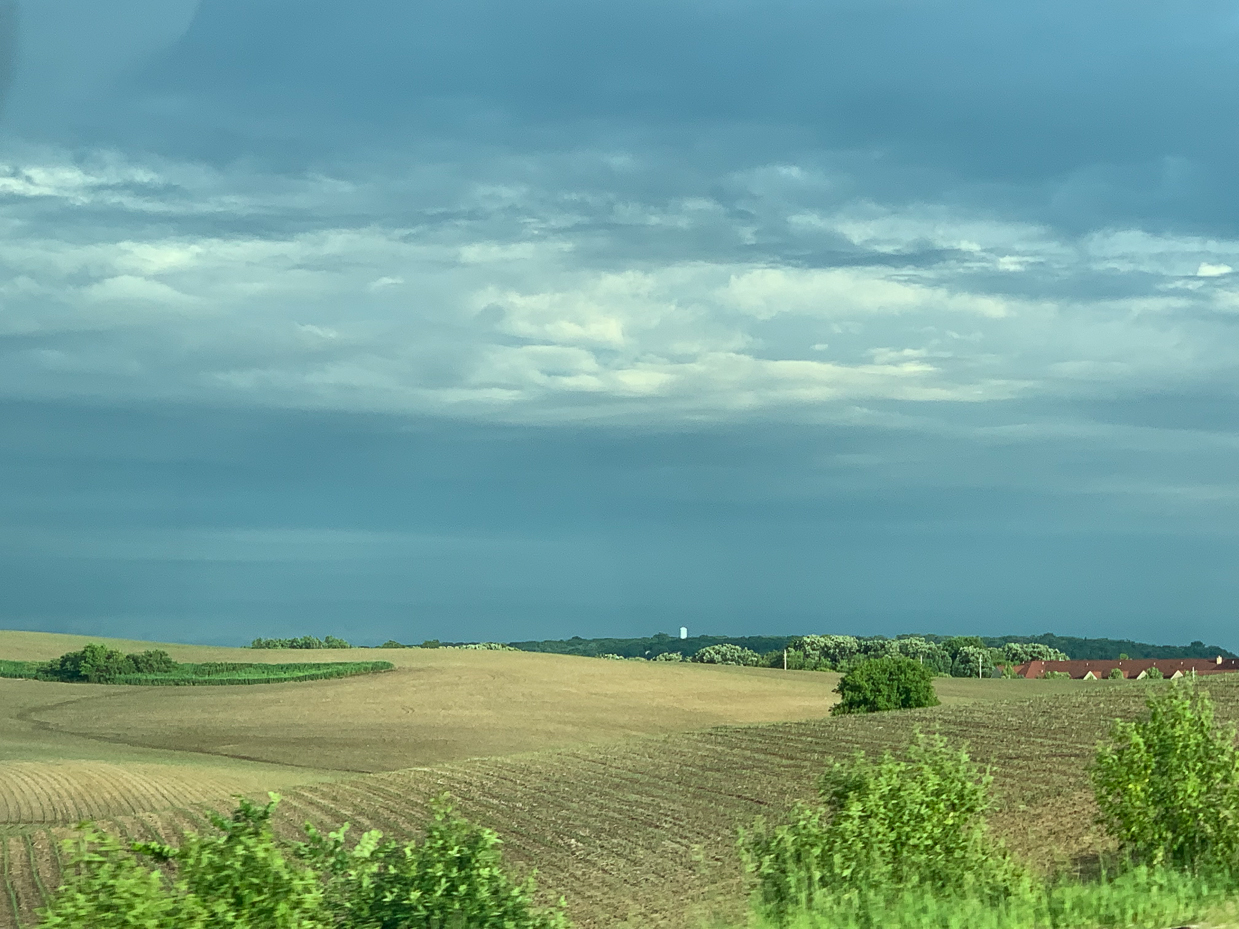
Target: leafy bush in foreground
(884,829)
(454,877)
(243,878)
(1168,786)
(239,878)
(727,654)
(885,684)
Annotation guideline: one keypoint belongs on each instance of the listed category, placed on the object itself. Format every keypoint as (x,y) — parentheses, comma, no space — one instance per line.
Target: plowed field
(643,831)
(622,783)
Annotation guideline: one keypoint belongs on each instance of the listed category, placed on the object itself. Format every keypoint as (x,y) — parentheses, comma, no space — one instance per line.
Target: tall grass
(218,673)
(1149,898)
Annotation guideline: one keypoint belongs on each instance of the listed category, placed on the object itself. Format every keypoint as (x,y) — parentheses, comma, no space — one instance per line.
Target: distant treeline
(655,645)
(1109,649)
(304,641)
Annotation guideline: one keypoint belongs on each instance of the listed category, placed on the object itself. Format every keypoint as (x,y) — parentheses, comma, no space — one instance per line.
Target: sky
(474,320)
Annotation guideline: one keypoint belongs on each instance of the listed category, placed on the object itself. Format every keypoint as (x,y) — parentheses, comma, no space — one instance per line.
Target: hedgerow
(97,664)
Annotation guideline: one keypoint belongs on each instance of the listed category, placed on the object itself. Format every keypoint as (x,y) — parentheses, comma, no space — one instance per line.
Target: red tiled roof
(1131,667)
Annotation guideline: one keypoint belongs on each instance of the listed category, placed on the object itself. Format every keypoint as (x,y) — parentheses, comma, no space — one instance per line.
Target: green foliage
(239,879)
(1056,676)
(430,643)
(454,877)
(305,641)
(1116,674)
(107,887)
(955,643)
(98,664)
(1168,786)
(1153,674)
(392,643)
(669,656)
(823,651)
(1020,652)
(884,829)
(727,654)
(485,647)
(974,660)
(184,673)
(242,878)
(1109,649)
(885,684)
(1139,897)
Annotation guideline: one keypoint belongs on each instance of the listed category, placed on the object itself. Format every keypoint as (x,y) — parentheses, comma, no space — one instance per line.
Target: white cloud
(1212,270)
(565,311)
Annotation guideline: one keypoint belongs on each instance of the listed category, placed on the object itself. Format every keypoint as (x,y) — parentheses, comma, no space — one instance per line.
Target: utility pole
(784,659)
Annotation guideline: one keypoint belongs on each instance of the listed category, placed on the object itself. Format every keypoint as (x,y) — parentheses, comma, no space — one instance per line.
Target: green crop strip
(218,673)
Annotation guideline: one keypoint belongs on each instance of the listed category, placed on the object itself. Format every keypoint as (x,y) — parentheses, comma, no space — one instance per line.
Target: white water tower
(684,632)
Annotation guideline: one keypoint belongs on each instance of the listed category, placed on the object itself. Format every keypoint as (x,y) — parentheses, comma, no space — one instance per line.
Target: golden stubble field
(622,782)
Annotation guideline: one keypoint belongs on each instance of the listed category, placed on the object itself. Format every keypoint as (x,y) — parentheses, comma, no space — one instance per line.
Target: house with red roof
(1132,668)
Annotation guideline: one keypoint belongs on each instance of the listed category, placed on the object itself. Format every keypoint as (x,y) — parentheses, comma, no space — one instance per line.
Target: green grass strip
(218,673)
(1141,897)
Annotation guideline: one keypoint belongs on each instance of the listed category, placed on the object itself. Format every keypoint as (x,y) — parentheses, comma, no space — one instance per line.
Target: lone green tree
(892,683)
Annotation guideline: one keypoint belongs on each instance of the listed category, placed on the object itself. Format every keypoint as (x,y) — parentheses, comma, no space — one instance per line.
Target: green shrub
(1056,676)
(884,829)
(1154,674)
(454,878)
(242,878)
(727,654)
(1168,786)
(486,647)
(98,664)
(885,684)
(239,879)
(392,643)
(1116,674)
(669,656)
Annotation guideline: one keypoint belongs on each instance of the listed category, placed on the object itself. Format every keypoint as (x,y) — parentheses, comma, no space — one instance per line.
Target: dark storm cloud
(1128,108)
(227,524)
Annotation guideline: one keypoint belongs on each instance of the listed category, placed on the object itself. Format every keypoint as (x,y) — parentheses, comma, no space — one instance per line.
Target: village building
(1133,668)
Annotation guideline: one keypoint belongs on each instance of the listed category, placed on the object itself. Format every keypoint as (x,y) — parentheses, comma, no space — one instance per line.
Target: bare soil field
(622,783)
